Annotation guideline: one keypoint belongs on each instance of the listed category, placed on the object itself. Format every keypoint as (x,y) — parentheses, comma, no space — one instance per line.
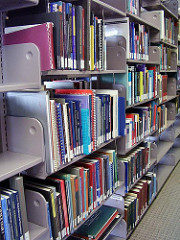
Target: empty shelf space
(12,163)
(36,231)
(100,8)
(77,73)
(163,148)
(140,20)
(163,172)
(176,153)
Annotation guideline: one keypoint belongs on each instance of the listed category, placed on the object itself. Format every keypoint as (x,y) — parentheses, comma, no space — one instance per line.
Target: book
(6,217)
(39,34)
(97,223)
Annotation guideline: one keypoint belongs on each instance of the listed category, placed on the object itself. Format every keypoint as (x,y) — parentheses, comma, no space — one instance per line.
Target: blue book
(98,191)
(60,131)
(126,176)
(121,116)
(14,214)
(85,118)
(133,40)
(129,88)
(6,217)
(49,222)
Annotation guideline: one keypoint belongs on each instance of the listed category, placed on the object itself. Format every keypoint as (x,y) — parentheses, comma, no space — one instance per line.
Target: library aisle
(162,221)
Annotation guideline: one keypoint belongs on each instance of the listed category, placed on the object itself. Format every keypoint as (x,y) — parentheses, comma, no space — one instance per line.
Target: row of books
(13,216)
(136,164)
(138,198)
(142,83)
(165,61)
(63,38)
(133,6)
(169,30)
(77,190)
(139,42)
(140,122)
(82,119)
(178,78)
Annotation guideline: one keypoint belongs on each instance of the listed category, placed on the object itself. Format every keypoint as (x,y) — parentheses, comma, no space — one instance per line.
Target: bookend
(154,54)
(116,53)
(171,86)
(153,18)
(173,60)
(171,110)
(21,67)
(37,215)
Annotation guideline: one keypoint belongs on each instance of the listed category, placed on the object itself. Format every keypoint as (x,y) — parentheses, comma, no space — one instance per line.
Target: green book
(94,227)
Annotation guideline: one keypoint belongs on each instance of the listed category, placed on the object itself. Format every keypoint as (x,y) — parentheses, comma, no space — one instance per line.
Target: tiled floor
(162,220)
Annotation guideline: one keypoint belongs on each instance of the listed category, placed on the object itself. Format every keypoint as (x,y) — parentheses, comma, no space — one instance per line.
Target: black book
(79,57)
(56,19)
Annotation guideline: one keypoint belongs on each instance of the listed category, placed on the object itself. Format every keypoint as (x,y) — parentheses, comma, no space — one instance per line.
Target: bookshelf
(27,121)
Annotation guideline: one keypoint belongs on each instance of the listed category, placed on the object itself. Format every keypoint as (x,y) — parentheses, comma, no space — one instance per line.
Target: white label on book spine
(62,62)
(21,238)
(27,236)
(82,64)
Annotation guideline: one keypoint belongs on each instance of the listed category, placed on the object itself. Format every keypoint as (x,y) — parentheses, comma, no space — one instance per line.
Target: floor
(162,220)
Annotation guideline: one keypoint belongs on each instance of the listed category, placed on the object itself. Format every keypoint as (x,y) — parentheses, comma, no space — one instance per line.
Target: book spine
(49,222)
(83,40)
(6,218)
(65,35)
(51,45)
(79,37)
(2,230)
(74,38)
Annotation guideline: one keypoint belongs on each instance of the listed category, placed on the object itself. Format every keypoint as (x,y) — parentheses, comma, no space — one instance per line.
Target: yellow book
(141,87)
(91,47)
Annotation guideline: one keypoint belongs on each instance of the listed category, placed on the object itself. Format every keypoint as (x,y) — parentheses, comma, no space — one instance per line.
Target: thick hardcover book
(56,19)
(95,226)
(39,34)
(79,47)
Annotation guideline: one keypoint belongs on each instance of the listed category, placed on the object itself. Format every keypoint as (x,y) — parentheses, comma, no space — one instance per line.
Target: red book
(41,35)
(132,116)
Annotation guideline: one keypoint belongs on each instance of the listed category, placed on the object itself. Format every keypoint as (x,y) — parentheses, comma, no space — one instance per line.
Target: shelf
(140,20)
(141,103)
(75,159)
(162,148)
(168,44)
(168,71)
(134,61)
(169,98)
(36,231)
(138,143)
(77,73)
(163,172)
(160,6)
(6,5)
(13,163)
(101,8)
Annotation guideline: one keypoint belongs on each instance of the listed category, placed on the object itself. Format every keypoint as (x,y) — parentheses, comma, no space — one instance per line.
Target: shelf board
(77,73)
(75,159)
(13,163)
(141,20)
(141,103)
(169,98)
(6,5)
(162,148)
(134,61)
(162,7)
(16,87)
(98,7)
(168,44)
(36,231)
(168,71)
